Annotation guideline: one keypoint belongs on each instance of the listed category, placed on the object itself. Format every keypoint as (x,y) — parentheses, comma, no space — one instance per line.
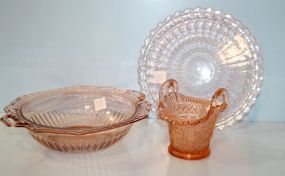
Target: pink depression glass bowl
(66,119)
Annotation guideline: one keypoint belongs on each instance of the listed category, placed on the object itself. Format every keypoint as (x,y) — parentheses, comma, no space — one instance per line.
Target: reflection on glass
(235,52)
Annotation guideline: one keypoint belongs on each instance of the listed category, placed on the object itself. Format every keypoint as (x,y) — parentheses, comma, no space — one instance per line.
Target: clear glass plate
(203,50)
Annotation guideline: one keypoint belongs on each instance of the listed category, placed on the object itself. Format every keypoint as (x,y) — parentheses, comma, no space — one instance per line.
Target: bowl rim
(14,110)
(211,106)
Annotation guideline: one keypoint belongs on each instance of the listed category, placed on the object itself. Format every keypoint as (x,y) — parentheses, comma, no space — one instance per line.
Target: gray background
(49,44)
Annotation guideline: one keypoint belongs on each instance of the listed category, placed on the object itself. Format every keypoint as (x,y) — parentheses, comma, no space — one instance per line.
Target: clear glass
(66,119)
(191,120)
(203,50)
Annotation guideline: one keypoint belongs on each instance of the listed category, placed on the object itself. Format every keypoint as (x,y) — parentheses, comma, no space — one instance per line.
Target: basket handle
(170,85)
(15,122)
(216,102)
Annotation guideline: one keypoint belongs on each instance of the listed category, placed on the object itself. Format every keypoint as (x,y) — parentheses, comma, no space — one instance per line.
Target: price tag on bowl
(100,103)
(159,77)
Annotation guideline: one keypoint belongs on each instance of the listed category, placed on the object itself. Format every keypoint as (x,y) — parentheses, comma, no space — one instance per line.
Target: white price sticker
(100,104)
(159,77)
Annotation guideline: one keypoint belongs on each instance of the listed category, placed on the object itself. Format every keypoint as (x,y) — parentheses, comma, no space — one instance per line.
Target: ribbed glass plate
(203,50)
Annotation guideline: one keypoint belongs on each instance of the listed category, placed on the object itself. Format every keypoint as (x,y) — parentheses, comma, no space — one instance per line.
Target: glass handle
(6,120)
(220,99)
(170,85)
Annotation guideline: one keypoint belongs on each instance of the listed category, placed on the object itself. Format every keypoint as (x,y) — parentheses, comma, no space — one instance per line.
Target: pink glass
(66,119)
(191,120)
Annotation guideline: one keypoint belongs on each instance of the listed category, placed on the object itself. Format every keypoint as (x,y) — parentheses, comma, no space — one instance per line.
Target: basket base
(189,156)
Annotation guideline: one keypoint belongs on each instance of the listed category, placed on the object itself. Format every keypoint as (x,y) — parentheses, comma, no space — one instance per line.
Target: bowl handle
(170,85)
(15,123)
(216,102)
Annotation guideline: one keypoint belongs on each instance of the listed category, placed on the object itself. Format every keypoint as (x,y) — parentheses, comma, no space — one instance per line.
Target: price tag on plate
(159,77)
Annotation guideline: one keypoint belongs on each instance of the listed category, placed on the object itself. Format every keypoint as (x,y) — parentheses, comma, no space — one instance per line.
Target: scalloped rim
(258,79)
(14,110)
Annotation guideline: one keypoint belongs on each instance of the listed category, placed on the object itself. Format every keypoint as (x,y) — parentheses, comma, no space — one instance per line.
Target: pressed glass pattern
(66,119)
(191,120)
(203,50)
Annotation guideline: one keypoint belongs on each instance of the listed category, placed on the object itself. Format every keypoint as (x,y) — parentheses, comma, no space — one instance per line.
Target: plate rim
(258,60)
